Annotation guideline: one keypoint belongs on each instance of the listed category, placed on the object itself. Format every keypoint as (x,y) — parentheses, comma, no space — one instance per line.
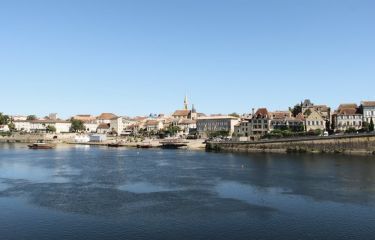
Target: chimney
(253,112)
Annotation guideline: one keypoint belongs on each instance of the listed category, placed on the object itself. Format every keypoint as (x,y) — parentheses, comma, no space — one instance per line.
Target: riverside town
(187,127)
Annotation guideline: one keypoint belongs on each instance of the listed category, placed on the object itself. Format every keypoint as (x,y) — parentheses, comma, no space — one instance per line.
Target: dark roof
(181,113)
(261,113)
(368,103)
(106,116)
(104,126)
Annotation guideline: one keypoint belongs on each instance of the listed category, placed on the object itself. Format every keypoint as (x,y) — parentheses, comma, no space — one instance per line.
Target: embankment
(347,144)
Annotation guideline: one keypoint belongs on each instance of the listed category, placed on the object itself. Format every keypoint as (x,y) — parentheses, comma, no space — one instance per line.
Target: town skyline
(140,57)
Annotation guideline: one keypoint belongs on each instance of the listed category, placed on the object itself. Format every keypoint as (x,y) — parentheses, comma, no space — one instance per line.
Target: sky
(142,56)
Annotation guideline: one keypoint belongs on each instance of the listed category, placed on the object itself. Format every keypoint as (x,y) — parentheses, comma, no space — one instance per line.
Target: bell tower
(186,103)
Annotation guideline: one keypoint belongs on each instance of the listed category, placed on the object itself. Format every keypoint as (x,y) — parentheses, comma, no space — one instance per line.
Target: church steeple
(186,103)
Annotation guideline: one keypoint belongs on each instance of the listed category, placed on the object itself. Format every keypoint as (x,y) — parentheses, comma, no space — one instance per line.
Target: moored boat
(41,145)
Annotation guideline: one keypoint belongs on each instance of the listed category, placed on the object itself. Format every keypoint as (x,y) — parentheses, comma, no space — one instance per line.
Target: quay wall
(347,144)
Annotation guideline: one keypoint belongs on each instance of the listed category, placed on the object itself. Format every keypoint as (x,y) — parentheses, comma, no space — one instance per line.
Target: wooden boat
(41,145)
(114,145)
(173,143)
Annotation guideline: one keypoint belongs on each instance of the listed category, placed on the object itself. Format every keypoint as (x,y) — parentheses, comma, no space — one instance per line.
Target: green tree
(371,126)
(297,109)
(31,117)
(12,127)
(77,125)
(4,119)
(51,129)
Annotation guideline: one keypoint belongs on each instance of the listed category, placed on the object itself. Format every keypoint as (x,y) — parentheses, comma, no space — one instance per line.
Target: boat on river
(41,145)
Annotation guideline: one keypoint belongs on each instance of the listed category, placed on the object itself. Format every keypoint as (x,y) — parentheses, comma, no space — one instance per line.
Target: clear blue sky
(137,57)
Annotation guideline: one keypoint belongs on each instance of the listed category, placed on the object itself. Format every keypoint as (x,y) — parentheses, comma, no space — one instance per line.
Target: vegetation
(51,129)
(287,133)
(31,117)
(4,119)
(77,125)
(371,126)
(351,130)
(215,134)
(297,109)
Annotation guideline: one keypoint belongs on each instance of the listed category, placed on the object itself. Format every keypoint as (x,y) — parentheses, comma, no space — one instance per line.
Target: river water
(77,192)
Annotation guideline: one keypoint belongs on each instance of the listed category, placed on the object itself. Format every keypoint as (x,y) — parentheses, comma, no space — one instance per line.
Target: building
(89,121)
(347,116)
(314,121)
(186,113)
(4,128)
(105,118)
(211,124)
(98,138)
(41,125)
(260,122)
(323,110)
(22,125)
(368,110)
(103,128)
(116,125)
(153,125)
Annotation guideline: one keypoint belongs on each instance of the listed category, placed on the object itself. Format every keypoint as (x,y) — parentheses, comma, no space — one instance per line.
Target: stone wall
(353,144)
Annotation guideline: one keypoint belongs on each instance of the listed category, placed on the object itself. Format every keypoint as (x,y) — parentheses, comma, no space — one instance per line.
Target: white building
(22,125)
(4,128)
(368,108)
(206,125)
(116,125)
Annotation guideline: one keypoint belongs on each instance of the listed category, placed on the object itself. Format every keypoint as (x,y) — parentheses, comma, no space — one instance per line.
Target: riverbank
(358,144)
(68,138)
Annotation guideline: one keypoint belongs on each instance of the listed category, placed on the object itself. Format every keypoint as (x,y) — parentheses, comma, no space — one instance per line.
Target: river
(82,192)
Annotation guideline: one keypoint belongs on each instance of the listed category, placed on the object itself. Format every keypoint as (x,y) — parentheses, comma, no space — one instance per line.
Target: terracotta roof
(280,114)
(181,113)
(104,126)
(49,121)
(347,105)
(368,103)
(300,116)
(261,113)
(106,116)
(84,118)
(348,111)
(152,122)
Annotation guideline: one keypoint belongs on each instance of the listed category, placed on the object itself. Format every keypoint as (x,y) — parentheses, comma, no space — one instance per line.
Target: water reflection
(196,192)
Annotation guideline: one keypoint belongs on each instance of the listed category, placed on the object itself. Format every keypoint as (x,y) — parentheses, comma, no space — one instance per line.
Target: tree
(371,126)
(307,112)
(31,117)
(297,109)
(77,125)
(51,128)
(4,119)
(12,127)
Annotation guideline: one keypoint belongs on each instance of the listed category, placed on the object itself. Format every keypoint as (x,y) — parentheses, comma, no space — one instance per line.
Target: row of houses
(309,118)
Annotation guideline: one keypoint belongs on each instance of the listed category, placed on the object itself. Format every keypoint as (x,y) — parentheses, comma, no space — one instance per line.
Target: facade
(205,125)
(61,126)
(116,125)
(103,128)
(4,128)
(323,110)
(368,110)
(154,125)
(260,122)
(348,116)
(314,121)
(105,118)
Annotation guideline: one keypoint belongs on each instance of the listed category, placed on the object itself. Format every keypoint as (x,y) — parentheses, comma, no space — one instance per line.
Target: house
(116,125)
(368,110)
(22,125)
(260,124)
(207,125)
(41,125)
(323,110)
(185,125)
(105,117)
(314,120)
(89,121)
(347,116)
(153,125)
(4,128)
(103,128)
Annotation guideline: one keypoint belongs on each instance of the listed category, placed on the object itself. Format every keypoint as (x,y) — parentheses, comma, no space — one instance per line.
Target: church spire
(186,103)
